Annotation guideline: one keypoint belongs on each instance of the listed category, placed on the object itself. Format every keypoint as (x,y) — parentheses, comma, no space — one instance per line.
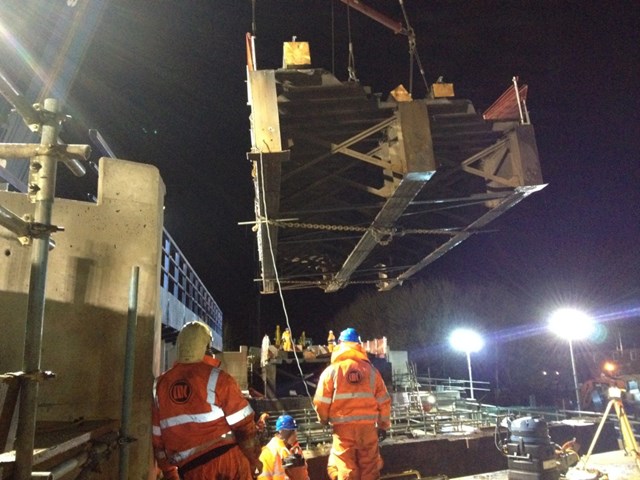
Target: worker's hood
(352,350)
(209,360)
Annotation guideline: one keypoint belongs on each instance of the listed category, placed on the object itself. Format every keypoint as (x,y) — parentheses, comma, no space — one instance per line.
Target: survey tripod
(629,443)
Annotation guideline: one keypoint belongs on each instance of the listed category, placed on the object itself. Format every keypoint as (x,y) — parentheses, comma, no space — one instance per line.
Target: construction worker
(287,341)
(203,428)
(282,457)
(331,341)
(352,397)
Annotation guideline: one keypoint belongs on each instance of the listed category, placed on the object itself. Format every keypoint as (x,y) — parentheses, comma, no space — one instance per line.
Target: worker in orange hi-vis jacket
(352,397)
(203,427)
(282,457)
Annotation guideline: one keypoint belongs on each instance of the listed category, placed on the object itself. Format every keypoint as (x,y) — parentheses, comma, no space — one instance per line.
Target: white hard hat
(193,340)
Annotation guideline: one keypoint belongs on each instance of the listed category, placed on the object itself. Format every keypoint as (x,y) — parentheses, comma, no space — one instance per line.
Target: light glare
(466,340)
(571,324)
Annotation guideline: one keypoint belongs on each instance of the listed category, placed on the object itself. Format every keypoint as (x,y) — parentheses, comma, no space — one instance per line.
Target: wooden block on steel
(442,90)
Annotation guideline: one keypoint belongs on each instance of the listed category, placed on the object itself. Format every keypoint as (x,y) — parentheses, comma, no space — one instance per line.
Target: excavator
(594,393)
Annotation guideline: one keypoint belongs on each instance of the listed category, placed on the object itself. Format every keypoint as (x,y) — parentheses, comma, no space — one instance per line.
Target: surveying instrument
(629,443)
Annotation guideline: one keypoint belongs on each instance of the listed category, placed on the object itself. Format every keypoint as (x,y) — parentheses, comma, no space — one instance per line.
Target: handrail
(180,279)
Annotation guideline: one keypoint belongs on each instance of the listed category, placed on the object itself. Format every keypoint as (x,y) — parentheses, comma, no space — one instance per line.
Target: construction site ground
(615,465)
(459,455)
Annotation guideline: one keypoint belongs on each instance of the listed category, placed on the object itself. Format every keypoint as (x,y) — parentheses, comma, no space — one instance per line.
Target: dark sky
(164,82)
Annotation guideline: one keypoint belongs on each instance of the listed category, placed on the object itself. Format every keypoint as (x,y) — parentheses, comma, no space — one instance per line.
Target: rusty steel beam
(390,23)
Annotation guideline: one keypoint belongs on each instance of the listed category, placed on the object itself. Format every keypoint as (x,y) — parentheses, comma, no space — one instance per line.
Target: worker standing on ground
(203,428)
(331,341)
(353,398)
(282,457)
(287,342)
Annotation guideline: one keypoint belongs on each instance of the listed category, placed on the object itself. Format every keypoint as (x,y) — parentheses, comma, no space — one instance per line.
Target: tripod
(629,443)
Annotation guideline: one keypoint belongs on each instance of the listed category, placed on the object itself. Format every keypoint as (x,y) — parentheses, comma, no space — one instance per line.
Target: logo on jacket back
(180,392)
(354,376)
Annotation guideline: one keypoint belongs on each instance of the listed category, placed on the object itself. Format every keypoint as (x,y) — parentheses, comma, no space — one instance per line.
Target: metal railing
(180,279)
(407,420)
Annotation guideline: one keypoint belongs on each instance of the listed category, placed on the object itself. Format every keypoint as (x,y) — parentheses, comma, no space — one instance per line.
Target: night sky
(164,82)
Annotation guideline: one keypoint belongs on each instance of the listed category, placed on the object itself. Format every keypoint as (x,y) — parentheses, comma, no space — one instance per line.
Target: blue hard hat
(349,335)
(286,422)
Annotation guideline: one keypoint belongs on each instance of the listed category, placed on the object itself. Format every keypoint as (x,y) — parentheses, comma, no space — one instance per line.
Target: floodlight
(572,324)
(467,341)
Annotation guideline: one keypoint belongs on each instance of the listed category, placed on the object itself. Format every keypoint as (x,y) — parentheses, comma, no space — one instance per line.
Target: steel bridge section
(360,189)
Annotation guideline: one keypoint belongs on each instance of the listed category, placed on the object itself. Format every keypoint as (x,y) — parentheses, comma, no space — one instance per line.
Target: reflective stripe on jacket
(196,408)
(351,390)
(271,458)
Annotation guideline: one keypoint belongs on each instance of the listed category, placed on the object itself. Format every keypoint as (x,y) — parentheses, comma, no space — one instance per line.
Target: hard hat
(349,335)
(193,340)
(286,422)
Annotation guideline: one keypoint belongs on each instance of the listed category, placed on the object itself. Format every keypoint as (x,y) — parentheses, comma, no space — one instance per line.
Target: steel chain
(379,232)
(321,283)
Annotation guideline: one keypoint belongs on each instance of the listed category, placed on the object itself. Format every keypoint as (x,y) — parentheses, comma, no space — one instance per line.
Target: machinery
(531,453)
(594,392)
(628,441)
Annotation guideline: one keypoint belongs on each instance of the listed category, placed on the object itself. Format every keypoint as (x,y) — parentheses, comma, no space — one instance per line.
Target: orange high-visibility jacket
(351,390)
(197,407)
(272,456)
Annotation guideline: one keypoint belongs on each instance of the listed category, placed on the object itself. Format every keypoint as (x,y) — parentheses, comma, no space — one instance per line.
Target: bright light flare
(571,324)
(609,367)
(466,340)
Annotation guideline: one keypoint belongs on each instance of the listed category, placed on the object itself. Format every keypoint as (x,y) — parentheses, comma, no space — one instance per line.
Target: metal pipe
(27,150)
(30,115)
(70,155)
(13,222)
(470,375)
(517,91)
(575,377)
(129,364)
(61,470)
(44,169)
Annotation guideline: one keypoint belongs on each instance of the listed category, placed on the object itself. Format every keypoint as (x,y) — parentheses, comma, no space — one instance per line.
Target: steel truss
(353,189)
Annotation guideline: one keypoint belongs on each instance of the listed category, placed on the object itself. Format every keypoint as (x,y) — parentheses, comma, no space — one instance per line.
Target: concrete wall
(236,365)
(87,293)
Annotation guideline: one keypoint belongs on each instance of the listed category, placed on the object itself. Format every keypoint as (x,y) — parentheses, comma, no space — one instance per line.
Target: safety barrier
(180,280)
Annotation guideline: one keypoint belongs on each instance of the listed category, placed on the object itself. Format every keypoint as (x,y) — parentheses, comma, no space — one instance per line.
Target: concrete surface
(614,465)
(85,320)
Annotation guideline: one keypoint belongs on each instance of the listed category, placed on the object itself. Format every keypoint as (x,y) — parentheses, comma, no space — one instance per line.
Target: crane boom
(377,16)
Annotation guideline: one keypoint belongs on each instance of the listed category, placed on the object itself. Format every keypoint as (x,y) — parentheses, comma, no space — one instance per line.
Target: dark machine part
(531,453)
(293,460)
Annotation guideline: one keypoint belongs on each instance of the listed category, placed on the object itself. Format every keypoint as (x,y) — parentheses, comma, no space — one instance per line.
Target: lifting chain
(322,283)
(383,235)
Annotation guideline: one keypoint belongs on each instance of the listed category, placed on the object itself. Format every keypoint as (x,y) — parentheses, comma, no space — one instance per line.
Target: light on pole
(572,324)
(467,341)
